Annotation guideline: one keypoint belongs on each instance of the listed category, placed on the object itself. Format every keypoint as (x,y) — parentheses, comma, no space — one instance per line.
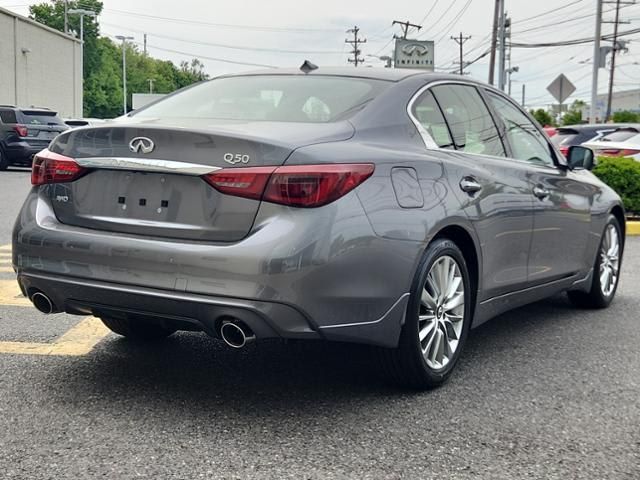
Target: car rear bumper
(191,312)
(300,273)
(22,152)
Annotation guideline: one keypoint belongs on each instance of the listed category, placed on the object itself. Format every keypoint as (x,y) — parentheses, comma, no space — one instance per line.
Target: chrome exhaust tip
(236,335)
(43,303)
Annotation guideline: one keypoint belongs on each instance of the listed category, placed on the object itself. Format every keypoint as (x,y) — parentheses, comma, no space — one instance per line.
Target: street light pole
(124,71)
(596,64)
(82,12)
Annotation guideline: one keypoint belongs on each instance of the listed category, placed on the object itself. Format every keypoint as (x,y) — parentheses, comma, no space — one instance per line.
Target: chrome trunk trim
(146,165)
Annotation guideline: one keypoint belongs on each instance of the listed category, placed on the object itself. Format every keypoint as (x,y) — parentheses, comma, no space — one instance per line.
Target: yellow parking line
(10,294)
(78,341)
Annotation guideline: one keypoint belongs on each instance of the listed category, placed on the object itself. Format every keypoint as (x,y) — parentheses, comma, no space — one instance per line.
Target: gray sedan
(389,207)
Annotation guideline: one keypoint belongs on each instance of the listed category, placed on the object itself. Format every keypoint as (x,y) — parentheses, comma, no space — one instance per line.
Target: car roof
(599,126)
(375,73)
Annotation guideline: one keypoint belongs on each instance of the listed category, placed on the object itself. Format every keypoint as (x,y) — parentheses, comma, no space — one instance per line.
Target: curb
(633,227)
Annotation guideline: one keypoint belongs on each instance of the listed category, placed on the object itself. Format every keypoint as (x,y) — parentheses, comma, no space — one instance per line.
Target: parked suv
(26,131)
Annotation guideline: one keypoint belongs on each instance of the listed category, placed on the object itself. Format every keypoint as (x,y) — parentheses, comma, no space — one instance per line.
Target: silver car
(389,207)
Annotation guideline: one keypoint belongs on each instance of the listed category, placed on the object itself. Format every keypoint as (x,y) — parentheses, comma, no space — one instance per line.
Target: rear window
(283,98)
(619,136)
(563,137)
(31,117)
(8,116)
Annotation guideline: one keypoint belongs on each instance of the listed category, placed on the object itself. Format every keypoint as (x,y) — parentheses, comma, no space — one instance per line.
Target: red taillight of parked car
(303,186)
(564,151)
(617,152)
(21,130)
(49,167)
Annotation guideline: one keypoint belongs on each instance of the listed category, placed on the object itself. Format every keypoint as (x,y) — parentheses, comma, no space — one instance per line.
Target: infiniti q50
(389,207)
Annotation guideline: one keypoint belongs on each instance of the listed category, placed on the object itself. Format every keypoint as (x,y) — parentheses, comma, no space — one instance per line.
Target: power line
(578,41)
(215,59)
(405,27)
(449,26)
(226,25)
(233,47)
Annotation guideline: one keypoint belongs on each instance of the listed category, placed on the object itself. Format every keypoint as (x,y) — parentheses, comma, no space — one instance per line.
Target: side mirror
(580,158)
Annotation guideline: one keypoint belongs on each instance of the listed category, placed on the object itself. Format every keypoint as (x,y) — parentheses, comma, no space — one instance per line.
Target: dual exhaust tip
(43,303)
(236,334)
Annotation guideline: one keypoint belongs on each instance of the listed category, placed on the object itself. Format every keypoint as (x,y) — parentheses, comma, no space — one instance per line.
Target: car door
(494,192)
(562,201)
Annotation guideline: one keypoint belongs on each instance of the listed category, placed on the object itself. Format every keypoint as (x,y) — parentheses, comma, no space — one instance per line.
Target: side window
(527,142)
(469,120)
(428,113)
(8,116)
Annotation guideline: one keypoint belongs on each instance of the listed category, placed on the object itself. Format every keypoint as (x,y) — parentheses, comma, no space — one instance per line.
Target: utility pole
(82,12)
(613,61)
(461,40)
(66,17)
(405,27)
(124,71)
(494,41)
(355,43)
(523,95)
(596,63)
(151,82)
(505,24)
(145,44)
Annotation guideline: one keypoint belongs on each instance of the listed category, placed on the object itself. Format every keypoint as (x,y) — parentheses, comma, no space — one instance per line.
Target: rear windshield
(563,137)
(619,135)
(283,98)
(40,118)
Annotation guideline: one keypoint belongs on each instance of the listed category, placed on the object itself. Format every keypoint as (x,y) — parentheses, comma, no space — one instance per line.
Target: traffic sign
(561,88)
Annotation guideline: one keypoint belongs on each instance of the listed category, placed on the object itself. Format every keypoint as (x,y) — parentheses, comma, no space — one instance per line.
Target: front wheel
(606,269)
(437,321)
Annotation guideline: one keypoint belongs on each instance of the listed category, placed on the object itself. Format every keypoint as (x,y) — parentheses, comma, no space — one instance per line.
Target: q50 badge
(234,158)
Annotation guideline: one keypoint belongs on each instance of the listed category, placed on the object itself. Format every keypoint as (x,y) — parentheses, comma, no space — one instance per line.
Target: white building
(621,100)
(39,66)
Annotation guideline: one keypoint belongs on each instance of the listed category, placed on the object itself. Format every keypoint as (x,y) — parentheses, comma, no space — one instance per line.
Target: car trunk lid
(146,179)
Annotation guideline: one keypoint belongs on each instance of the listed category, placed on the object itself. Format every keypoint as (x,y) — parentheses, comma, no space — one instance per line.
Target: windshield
(283,98)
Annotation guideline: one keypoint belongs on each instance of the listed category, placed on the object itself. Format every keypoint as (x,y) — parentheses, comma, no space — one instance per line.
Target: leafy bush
(625,116)
(623,175)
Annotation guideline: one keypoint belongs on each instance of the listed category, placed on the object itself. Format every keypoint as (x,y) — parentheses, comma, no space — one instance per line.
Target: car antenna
(307,67)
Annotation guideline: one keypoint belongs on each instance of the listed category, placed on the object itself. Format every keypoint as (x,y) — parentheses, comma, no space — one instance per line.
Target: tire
(609,259)
(138,330)
(414,363)
(4,161)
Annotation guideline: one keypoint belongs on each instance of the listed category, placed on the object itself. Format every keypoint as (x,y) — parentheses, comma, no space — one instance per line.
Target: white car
(624,142)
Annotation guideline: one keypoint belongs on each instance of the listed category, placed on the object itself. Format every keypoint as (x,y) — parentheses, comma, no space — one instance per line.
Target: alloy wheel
(609,260)
(441,315)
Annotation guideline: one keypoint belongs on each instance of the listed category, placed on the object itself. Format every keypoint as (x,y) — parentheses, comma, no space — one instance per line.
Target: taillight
(49,167)
(303,186)
(21,130)
(241,182)
(564,151)
(628,153)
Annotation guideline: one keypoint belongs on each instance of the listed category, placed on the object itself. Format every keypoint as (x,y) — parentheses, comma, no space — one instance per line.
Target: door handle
(541,192)
(470,185)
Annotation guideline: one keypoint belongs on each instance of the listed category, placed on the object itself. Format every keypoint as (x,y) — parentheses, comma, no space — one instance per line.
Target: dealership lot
(543,392)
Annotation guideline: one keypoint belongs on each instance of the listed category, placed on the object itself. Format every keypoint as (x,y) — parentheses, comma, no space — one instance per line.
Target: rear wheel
(606,270)
(137,329)
(437,321)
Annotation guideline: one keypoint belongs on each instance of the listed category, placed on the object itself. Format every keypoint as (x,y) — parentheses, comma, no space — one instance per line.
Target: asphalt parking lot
(543,392)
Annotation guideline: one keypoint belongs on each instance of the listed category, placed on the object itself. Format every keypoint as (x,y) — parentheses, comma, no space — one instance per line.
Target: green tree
(543,117)
(574,114)
(102,62)
(626,116)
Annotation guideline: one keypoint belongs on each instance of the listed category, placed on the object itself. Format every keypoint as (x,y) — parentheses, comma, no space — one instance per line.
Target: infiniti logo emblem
(141,145)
